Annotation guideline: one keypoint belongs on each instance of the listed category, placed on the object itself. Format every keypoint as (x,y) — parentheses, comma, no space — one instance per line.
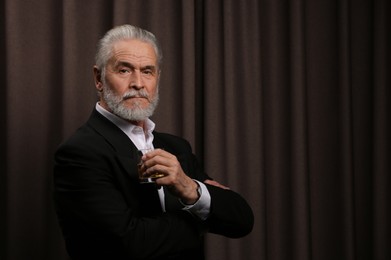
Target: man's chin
(132,117)
(134,113)
(136,103)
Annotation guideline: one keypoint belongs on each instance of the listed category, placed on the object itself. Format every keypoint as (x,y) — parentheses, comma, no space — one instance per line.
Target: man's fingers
(215,183)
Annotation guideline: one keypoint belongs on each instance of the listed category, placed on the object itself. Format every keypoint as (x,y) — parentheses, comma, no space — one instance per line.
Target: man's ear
(98,78)
(158,76)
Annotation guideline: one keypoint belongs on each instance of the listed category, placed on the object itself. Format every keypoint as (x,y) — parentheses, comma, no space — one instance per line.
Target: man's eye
(123,71)
(148,72)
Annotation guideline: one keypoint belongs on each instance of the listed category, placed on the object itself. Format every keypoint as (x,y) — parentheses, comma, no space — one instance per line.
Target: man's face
(130,85)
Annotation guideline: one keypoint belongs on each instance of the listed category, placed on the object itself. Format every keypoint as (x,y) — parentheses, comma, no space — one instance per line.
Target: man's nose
(136,80)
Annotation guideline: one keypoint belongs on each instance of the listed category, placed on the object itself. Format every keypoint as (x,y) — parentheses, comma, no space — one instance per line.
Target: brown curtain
(285,101)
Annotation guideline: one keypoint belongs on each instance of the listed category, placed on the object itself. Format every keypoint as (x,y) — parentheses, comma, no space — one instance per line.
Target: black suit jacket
(105,213)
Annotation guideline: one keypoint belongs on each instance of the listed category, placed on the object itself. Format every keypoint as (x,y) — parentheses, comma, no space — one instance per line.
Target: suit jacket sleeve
(230,214)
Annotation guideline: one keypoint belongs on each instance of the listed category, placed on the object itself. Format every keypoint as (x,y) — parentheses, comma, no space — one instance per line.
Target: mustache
(136,94)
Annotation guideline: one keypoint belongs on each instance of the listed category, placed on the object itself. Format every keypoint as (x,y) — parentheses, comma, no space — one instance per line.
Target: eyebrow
(129,65)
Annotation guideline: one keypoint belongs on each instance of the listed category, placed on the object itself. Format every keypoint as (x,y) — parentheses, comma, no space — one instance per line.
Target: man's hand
(177,182)
(217,184)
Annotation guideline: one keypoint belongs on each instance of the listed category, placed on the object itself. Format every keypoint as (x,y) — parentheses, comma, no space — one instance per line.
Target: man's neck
(137,123)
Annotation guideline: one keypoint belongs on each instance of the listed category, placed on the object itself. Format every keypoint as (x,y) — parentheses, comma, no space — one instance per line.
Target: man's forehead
(134,50)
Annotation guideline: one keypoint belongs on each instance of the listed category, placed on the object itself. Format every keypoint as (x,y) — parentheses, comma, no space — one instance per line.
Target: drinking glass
(150,178)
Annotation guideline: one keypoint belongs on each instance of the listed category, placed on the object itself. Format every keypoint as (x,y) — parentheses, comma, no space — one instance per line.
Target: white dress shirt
(143,138)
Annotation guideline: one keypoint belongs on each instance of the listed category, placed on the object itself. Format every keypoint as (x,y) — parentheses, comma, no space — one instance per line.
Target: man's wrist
(196,195)
(201,208)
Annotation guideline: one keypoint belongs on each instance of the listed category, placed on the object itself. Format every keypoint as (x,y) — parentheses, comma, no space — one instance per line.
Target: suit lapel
(113,134)
(126,151)
(126,154)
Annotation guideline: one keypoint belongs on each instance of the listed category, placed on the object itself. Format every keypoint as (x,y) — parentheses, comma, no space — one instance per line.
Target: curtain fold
(381,132)
(286,101)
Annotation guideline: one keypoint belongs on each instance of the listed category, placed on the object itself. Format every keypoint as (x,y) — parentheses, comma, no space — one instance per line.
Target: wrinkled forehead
(134,51)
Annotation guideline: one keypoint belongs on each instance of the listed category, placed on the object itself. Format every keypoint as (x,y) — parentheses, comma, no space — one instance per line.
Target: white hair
(119,33)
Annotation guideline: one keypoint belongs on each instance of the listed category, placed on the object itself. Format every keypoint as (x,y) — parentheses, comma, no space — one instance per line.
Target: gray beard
(117,106)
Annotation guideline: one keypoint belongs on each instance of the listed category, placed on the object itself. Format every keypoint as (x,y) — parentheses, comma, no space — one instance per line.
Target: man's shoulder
(169,137)
(97,131)
(84,136)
